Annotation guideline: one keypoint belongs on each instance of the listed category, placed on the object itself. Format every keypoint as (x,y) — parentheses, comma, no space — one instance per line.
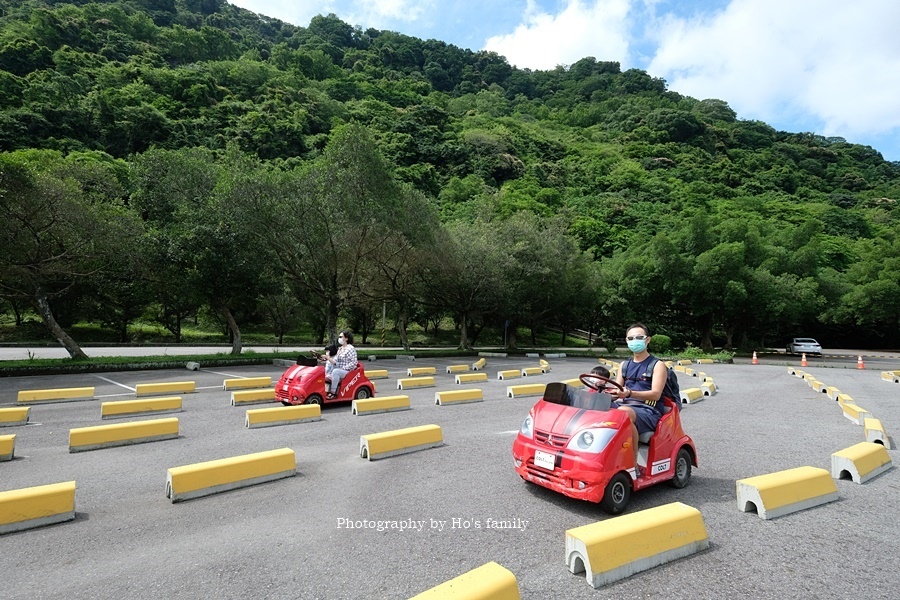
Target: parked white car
(804,346)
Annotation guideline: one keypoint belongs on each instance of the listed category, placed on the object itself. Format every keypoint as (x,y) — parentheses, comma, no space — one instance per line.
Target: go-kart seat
(644,438)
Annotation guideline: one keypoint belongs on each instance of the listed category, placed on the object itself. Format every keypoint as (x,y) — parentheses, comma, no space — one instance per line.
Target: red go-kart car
(305,383)
(575,443)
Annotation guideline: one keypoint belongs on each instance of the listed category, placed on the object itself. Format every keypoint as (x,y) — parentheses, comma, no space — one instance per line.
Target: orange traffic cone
(803,362)
(754,361)
(859,362)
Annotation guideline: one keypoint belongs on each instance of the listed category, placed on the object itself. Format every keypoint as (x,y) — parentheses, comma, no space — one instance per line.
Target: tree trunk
(706,334)
(464,332)
(563,342)
(401,329)
(71,346)
(511,337)
(236,344)
(331,316)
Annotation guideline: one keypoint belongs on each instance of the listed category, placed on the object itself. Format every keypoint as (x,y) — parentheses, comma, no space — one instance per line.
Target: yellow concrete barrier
(383,404)
(246,383)
(573,382)
(689,371)
(891,376)
(470,377)
(832,392)
(616,548)
(678,368)
(415,382)
(487,582)
(282,415)
(545,366)
(171,387)
(37,506)
(691,395)
(224,474)
(417,371)
(131,408)
(683,363)
(792,370)
(7,447)
(400,441)
(377,374)
(509,374)
(817,385)
(708,388)
(58,395)
(699,375)
(478,364)
(458,396)
(245,397)
(855,413)
(704,361)
(778,494)
(12,417)
(860,462)
(845,399)
(798,373)
(457,368)
(875,433)
(83,439)
(532,371)
(531,389)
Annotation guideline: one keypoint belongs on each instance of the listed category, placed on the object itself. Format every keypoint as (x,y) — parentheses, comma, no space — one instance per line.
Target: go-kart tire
(363,393)
(617,494)
(682,469)
(314,399)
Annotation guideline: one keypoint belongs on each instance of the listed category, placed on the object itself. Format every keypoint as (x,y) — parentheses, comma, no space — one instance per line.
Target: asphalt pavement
(334,530)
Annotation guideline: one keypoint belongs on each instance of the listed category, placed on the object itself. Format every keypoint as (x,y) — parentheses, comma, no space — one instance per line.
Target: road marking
(224,374)
(115,383)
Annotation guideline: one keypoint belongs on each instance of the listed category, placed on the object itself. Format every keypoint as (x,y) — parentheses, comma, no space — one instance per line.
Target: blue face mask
(637,346)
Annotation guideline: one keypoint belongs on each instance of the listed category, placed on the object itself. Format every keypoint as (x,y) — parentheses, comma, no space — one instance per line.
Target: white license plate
(284,387)
(544,460)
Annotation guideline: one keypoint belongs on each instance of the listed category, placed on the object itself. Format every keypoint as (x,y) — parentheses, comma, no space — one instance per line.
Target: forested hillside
(162,157)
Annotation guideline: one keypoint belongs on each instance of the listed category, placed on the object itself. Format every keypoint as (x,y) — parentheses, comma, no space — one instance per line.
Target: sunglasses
(636,337)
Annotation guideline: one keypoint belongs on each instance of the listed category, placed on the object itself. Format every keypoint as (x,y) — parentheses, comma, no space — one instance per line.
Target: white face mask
(342,341)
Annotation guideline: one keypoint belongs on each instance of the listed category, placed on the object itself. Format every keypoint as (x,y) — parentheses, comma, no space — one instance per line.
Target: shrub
(661,343)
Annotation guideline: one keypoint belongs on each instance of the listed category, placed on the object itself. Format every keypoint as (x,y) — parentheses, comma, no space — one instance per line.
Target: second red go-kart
(573,442)
(305,383)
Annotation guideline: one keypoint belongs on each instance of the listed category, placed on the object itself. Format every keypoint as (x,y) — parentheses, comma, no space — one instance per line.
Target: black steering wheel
(589,380)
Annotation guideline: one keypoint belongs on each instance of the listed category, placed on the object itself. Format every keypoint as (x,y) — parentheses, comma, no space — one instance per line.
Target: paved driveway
(291,539)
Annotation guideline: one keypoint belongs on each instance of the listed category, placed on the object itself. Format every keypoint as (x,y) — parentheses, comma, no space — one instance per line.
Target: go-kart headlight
(527,428)
(591,440)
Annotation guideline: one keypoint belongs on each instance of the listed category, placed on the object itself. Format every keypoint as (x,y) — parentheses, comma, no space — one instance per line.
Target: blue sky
(827,66)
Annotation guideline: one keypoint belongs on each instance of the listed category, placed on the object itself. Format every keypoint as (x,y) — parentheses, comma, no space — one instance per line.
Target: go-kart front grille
(554,440)
(281,395)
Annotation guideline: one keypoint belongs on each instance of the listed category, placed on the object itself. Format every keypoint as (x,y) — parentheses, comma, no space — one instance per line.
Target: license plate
(544,460)
(284,388)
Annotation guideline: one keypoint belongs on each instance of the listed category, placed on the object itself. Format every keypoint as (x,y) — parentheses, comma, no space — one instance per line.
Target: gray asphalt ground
(285,539)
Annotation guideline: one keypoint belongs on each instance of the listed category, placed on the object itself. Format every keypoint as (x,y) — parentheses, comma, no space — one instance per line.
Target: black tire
(314,399)
(617,494)
(683,465)
(363,393)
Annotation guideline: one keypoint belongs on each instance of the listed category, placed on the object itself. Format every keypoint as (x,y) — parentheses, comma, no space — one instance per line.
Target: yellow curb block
(7,447)
(691,395)
(13,417)
(83,439)
(416,371)
(37,506)
(247,382)
(470,377)
(532,389)
(778,494)
(487,582)
(224,474)
(57,395)
(860,462)
(616,548)
(458,396)
(509,374)
(245,397)
(400,441)
(372,406)
(415,382)
(377,374)
(457,368)
(875,433)
(172,387)
(282,415)
(131,408)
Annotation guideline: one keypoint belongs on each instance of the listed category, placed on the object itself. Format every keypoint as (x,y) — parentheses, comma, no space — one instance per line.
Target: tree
(61,221)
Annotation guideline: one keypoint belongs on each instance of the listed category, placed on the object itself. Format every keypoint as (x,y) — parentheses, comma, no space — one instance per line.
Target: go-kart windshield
(562,393)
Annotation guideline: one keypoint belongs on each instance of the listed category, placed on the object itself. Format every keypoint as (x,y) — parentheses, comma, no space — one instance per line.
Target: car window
(805,341)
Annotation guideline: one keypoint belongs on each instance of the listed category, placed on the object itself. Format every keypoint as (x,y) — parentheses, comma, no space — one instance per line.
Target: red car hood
(564,420)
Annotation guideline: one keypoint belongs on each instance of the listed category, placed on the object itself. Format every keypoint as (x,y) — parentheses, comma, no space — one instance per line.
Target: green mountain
(713,229)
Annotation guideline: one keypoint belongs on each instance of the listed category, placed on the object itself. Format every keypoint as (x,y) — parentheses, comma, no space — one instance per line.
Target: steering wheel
(317,355)
(589,380)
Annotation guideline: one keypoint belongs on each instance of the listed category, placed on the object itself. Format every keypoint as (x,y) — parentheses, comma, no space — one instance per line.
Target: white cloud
(583,28)
(832,64)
